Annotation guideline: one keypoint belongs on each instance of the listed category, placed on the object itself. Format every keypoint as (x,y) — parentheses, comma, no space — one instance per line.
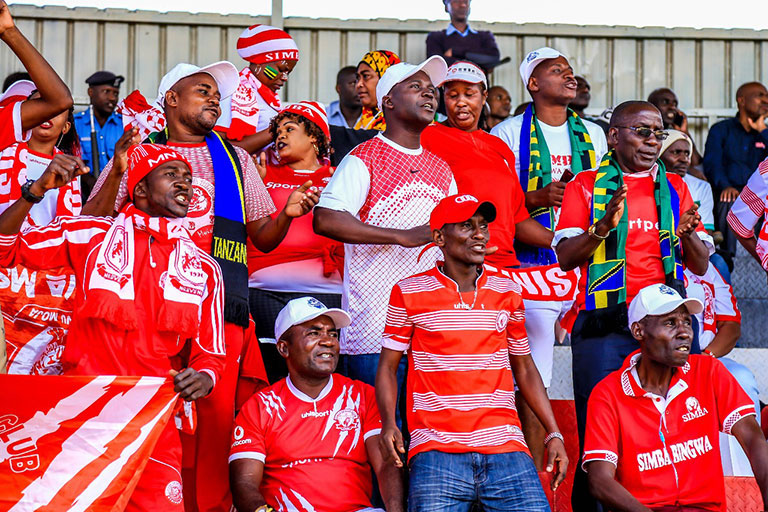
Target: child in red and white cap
(272,54)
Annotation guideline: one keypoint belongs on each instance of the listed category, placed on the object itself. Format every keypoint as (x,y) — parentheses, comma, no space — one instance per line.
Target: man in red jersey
(652,426)
(308,442)
(150,302)
(462,324)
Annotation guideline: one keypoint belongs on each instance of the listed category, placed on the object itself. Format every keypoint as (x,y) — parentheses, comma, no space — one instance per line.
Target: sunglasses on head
(645,132)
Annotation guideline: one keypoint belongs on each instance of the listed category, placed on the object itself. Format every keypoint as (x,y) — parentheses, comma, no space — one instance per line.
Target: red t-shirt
(313,451)
(301,242)
(461,391)
(666,449)
(484,166)
(10,124)
(643,251)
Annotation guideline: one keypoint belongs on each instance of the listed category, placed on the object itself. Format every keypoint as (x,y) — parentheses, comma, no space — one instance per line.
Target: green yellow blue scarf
(607,271)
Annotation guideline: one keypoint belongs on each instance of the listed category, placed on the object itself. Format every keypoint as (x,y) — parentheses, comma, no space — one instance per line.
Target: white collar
(453,30)
(306,398)
(652,172)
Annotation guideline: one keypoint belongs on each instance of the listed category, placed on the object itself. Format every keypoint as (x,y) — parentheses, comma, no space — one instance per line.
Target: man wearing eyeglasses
(627,225)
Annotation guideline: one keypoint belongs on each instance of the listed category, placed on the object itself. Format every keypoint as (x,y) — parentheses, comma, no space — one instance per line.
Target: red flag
(77,443)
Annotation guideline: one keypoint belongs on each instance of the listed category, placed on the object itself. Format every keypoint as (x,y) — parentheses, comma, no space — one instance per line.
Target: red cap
(313,111)
(143,158)
(459,208)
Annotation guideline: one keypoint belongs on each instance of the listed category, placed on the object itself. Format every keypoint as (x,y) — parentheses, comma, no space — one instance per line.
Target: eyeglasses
(646,132)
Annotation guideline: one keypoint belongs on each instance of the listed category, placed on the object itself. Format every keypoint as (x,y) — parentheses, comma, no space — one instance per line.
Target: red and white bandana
(245,105)
(260,44)
(112,289)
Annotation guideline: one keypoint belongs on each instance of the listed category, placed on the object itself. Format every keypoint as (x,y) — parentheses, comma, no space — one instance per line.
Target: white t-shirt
(558,142)
(701,193)
(396,199)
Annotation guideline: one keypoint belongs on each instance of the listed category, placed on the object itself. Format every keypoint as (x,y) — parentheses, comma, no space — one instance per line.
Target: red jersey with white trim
(718,299)
(97,347)
(461,391)
(301,242)
(666,449)
(10,125)
(313,450)
(643,250)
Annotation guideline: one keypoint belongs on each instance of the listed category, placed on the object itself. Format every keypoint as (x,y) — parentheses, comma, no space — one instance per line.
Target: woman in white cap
(272,54)
(482,164)
(304,263)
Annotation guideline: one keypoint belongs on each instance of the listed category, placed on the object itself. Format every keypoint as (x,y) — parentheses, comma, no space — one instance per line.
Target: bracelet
(591,232)
(553,435)
(709,353)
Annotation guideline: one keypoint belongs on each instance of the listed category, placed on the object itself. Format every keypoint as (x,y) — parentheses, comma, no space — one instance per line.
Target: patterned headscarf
(380,60)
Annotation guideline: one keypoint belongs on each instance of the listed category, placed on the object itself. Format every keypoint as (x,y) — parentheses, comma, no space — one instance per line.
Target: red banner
(37,307)
(77,443)
(546,282)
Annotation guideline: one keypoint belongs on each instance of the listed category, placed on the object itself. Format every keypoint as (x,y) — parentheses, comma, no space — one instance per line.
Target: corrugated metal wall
(704,67)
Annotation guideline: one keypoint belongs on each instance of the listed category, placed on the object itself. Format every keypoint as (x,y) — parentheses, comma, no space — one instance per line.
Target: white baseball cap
(20,89)
(463,71)
(533,59)
(225,73)
(660,299)
(304,309)
(435,67)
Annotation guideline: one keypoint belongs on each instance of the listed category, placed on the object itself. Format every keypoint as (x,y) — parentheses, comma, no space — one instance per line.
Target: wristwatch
(591,232)
(29,196)
(264,508)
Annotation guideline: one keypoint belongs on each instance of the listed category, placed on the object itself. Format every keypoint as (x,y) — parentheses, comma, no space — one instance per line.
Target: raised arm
(104,194)
(55,97)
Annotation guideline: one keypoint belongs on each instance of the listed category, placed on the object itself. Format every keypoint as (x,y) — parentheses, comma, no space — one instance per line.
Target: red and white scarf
(245,105)
(13,174)
(137,112)
(111,289)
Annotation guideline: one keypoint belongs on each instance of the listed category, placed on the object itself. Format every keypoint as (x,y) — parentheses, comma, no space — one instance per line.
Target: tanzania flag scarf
(536,172)
(607,272)
(229,233)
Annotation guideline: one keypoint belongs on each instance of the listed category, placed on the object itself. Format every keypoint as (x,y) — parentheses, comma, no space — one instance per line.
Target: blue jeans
(453,482)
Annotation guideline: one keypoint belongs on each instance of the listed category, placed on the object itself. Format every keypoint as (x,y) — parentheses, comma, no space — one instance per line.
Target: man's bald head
(626,112)
(752,100)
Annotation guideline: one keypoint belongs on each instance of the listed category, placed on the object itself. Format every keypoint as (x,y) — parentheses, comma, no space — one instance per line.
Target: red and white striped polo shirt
(750,207)
(461,392)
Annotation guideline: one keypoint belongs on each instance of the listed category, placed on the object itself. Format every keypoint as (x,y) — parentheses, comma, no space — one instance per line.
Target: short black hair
(323,144)
(15,77)
(346,70)
(621,112)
